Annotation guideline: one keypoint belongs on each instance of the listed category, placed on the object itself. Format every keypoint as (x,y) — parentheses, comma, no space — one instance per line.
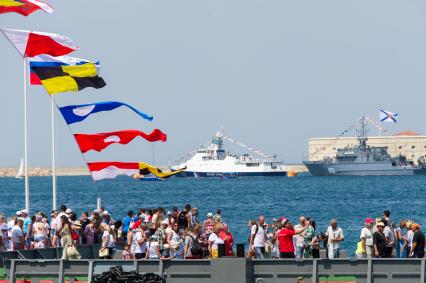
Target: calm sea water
(349,199)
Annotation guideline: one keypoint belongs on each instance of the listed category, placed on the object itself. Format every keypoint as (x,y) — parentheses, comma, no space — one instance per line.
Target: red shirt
(285,238)
(229,242)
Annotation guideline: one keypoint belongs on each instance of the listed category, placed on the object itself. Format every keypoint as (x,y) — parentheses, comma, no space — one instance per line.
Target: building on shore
(409,144)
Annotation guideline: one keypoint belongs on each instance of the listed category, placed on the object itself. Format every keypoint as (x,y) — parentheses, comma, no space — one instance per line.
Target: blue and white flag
(76,113)
(387,116)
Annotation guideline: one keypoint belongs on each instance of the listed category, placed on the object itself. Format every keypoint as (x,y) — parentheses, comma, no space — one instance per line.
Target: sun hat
(24,211)
(165,222)
(68,211)
(369,220)
(209,214)
(18,213)
(105,213)
(380,224)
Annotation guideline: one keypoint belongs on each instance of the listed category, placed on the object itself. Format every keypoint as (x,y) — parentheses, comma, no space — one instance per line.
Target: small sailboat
(20,174)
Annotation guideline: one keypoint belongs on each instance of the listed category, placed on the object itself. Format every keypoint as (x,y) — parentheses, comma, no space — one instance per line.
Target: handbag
(71,251)
(103,252)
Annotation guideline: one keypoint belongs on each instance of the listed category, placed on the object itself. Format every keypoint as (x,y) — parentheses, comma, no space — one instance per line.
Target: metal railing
(229,269)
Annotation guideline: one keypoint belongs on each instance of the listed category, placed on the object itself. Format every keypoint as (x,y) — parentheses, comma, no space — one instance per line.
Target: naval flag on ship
(387,116)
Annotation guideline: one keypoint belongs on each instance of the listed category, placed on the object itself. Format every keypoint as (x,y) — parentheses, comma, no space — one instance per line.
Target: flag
(77,113)
(56,79)
(387,116)
(100,141)
(24,7)
(110,170)
(33,43)
(44,60)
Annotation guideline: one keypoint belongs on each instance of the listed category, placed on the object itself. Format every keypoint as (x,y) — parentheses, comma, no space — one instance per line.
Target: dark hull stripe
(231,174)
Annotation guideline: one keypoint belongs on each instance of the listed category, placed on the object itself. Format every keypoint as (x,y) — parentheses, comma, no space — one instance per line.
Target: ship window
(413,147)
(399,147)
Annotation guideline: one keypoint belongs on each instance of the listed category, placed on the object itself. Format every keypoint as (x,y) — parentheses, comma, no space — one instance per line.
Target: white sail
(20,174)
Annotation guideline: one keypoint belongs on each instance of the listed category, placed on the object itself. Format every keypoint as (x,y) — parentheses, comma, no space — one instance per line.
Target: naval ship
(214,161)
(361,160)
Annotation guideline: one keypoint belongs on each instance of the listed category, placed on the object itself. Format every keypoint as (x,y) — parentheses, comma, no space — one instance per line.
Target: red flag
(110,170)
(100,141)
(33,43)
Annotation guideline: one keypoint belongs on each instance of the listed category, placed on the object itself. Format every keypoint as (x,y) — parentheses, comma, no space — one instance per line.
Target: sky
(273,73)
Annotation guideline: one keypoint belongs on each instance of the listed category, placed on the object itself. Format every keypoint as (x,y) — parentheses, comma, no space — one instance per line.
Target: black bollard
(221,250)
(240,250)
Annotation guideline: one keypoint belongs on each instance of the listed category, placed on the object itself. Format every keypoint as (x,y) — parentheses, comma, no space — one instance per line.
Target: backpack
(196,247)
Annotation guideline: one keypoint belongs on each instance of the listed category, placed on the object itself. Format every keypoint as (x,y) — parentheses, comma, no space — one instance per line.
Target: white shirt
(368,235)
(16,233)
(259,238)
(334,234)
(139,248)
(215,240)
(152,250)
(58,221)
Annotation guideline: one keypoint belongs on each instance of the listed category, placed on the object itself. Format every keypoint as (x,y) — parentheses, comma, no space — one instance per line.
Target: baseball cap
(18,213)
(380,224)
(369,220)
(209,214)
(165,222)
(24,211)
(105,212)
(169,212)
(68,211)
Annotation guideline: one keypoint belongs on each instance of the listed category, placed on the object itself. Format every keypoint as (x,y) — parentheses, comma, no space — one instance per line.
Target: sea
(348,199)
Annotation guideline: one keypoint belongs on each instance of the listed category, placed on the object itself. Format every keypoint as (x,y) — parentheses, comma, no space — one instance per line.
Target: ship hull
(231,174)
(357,169)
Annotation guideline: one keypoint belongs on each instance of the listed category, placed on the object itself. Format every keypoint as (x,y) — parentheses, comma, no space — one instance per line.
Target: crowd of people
(182,234)
(146,234)
(379,238)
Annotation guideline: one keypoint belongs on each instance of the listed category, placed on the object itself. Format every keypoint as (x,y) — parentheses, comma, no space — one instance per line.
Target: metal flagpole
(53,106)
(27,183)
(380,125)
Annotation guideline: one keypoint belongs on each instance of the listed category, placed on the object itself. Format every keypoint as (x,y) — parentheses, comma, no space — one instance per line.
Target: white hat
(68,211)
(19,213)
(24,211)
(165,222)
(95,211)
(105,212)
(209,214)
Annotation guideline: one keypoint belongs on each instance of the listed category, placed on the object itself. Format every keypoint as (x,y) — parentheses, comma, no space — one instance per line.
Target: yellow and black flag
(56,79)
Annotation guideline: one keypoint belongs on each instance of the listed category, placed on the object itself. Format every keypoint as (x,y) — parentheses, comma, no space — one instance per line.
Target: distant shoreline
(83,171)
(46,171)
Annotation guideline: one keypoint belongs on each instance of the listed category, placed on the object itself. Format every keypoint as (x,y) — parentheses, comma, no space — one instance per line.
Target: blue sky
(273,73)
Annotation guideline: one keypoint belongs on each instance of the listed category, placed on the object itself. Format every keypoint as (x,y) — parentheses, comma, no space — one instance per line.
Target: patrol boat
(214,161)
(361,160)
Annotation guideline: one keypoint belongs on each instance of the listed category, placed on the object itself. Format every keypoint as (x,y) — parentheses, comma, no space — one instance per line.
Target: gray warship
(362,160)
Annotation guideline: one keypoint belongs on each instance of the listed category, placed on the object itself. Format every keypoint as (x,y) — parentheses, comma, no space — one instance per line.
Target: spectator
(379,240)
(335,237)
(366,238)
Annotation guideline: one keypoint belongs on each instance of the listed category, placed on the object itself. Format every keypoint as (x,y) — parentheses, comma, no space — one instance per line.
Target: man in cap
(335,236)
(379,240)
(367,238)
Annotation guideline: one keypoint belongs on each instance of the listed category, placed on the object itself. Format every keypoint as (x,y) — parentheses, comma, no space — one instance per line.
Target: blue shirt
(126,223)
(27,222)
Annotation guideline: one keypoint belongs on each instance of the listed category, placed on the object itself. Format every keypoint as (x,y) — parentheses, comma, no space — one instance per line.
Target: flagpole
(380,126)
(53,106)
(27,183)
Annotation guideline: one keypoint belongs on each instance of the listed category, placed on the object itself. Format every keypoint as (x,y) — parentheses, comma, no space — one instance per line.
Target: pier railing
(230,269)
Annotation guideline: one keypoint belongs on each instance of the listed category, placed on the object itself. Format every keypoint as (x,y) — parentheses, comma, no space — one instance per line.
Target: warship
(362,160)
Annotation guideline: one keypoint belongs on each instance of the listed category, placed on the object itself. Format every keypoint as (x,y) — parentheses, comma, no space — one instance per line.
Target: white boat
(213,161)
(20,174)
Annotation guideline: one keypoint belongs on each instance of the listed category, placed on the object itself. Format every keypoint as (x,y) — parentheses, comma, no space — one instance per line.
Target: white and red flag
(110,170)
(33,43)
